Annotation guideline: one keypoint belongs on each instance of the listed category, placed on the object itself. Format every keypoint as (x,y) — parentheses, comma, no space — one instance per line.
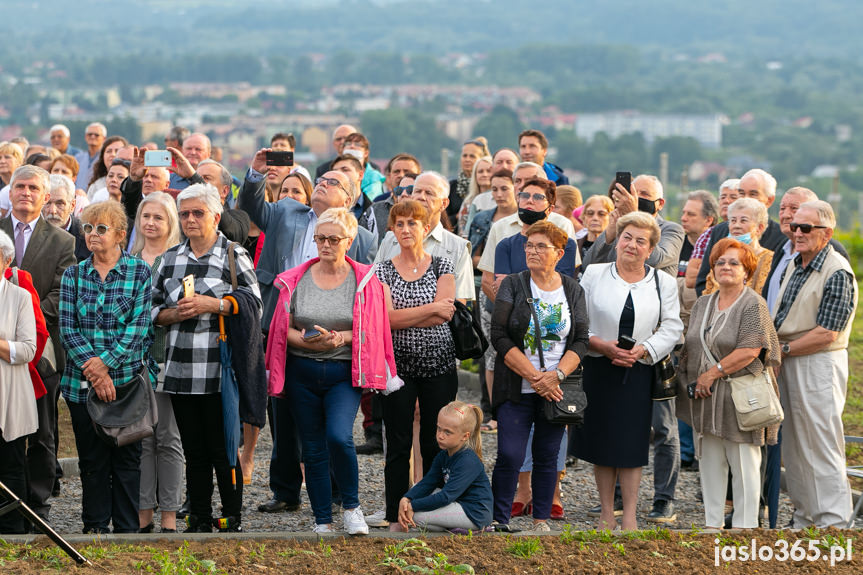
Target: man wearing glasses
(813,317)
(95,135)
(289,228)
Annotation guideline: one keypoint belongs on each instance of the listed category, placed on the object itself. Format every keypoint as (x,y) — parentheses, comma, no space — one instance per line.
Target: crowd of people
(301,301)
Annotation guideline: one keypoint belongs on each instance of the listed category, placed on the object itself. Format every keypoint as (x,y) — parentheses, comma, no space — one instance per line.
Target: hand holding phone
(624,179)
(625,342)
(280,158)
(189,286)
(157,159)
(310,334)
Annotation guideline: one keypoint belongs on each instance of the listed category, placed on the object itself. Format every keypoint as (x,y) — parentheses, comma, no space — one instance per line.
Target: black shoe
(183,512)
(199,524)
(691,465)
(147,529)
(166,530)
(373,444)
(55,491)
(618,508)
(728,519)
(662,512)
(96,530)
(228,524)
(276,506)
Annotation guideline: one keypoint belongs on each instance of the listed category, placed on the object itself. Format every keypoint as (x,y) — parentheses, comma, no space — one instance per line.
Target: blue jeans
(687,446)
(325,405)
(514,421)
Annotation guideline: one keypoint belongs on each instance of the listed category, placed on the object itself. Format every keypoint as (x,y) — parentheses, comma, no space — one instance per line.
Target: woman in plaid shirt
(192,367)
(106,330)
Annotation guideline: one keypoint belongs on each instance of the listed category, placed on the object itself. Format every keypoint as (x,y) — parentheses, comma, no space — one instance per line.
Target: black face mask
(647,206)
(530,217)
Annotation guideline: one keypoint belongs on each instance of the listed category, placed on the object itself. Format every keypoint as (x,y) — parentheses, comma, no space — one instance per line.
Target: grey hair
(166,201)
(753,206)
(709,204)
(443,183)
(521,165)
(730,184)
(225,175)
(342,217)
(826,217)
(7,248)
(767,180)
(654,180)
(102,129)
(204,192)
(60,128)
(27,171)
(805,193)
(61,183)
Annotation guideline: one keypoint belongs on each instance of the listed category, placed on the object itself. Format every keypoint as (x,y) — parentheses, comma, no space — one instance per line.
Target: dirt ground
(645,552)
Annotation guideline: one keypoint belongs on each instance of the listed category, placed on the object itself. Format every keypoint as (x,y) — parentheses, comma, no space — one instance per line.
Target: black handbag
(570,409)
(131,417)
(467,335)
(664,385)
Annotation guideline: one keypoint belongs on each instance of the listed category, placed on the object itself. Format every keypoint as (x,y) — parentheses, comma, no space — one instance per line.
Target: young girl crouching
(455,493)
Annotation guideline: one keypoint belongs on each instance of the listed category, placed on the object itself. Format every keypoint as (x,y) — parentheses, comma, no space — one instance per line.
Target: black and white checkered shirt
(837,303)
(192,357)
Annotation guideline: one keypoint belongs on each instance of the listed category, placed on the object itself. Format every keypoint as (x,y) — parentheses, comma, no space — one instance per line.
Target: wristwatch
(221,306)
(560,375)
(786,348)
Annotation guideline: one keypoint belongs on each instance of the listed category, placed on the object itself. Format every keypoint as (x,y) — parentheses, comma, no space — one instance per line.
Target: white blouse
(606,293)
(18,327)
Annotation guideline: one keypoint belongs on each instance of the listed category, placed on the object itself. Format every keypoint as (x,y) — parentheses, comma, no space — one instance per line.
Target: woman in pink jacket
(329,338)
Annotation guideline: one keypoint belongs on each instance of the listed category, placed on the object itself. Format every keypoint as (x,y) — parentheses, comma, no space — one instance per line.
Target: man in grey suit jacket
(45,251)
(646,196)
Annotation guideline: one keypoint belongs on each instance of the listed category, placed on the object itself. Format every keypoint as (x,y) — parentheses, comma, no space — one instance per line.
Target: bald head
(339,135)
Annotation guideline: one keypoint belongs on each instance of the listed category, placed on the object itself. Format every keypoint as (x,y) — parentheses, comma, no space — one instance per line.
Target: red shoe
(517,509)
(557,512)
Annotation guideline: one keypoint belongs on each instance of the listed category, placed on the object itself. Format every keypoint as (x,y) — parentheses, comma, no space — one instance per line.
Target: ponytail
(471,417)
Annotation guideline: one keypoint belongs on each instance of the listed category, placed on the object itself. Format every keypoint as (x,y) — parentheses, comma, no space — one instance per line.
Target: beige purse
(755,401)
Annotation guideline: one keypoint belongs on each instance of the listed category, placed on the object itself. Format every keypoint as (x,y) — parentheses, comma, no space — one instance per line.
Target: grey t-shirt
(331,309)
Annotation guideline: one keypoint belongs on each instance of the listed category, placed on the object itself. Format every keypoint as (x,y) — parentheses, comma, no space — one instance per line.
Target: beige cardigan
(17,326)
(748,325)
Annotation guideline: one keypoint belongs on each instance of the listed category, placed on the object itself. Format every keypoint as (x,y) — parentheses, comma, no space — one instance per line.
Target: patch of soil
(641,553)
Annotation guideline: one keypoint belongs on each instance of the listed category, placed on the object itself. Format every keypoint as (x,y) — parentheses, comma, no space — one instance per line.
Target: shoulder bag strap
(232,265)
(15,276)
(659,297)
(706,349)
(525,284)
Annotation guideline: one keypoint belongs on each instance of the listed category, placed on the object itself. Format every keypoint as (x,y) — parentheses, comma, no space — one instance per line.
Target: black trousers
(433,393)
(199,419)
(110,477)
(41,450)
(13,474)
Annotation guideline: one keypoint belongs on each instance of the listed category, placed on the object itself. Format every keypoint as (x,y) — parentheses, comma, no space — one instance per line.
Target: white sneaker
(325,528)
(355,523)
(377,519)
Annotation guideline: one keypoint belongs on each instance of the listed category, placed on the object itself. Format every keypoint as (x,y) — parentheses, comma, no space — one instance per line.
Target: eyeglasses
(406,190)
(101,229)
(535,197)
(330,182)
(723,263)
(537,248)
(199,214)
(329,240)
(805,228)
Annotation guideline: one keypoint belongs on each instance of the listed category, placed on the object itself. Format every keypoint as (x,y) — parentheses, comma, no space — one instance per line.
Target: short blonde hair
(756,209)
(604,200)
(342,217)
(13,150)
(642,221)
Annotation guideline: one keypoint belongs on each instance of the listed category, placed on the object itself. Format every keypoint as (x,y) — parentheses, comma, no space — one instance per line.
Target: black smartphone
(690,389)
(311,334)
(624,179)
(280,158)
(625,342)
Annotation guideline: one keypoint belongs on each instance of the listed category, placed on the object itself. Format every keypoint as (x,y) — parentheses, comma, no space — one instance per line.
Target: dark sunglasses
(805,228)
(536,197)
(399,190)
(101,229)
(184,215)
(479,143)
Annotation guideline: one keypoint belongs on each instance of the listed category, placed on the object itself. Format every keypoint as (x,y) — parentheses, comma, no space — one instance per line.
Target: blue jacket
(479,228)
(284,223)
(555,174)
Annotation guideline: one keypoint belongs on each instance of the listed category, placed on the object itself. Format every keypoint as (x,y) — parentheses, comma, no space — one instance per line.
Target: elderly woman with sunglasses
(329,338)
(192,364)
(106,330)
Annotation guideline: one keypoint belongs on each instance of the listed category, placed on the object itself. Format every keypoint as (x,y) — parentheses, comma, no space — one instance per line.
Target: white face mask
(358,154)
